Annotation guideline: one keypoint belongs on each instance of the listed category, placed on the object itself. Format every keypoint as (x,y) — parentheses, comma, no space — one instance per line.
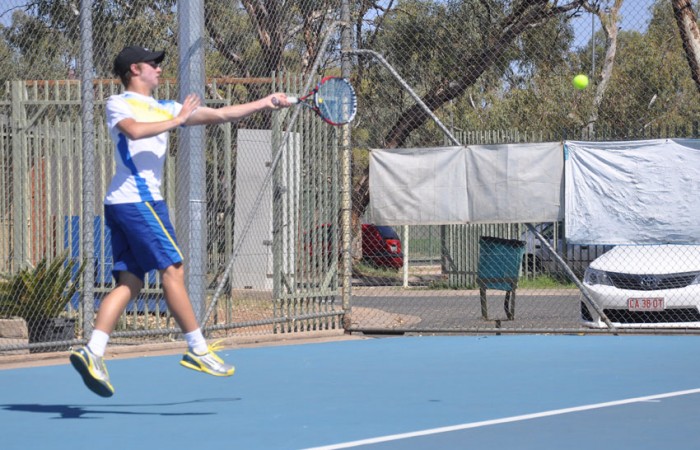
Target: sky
(6,9)
(635,17)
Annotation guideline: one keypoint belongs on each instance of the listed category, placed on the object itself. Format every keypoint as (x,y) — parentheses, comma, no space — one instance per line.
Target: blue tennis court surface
(445,392)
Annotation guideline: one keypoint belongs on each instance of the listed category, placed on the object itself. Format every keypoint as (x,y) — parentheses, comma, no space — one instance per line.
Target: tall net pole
(191,163)
(346,171)
(88,170)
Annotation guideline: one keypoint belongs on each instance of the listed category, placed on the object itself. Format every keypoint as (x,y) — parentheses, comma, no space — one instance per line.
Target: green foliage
(43,40)
(430,43)
(38,52)
(651,88)
(41,292)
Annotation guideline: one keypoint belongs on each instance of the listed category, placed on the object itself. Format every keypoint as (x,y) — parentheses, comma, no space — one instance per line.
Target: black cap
(135,54)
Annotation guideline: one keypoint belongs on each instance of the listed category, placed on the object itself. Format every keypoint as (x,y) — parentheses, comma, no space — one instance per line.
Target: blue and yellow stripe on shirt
(149,112)
(143,111)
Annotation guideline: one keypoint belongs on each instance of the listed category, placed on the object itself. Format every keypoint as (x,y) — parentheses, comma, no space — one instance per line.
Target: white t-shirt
(139,163)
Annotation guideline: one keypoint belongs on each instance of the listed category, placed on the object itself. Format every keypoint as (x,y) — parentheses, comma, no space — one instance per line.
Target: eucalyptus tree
(35,50)
(690,35)
(651,92)
(44,35)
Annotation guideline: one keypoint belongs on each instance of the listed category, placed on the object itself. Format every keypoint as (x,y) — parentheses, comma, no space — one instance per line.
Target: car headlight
(594,276)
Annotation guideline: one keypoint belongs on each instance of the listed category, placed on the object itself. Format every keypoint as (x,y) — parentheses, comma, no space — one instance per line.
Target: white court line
(486,423)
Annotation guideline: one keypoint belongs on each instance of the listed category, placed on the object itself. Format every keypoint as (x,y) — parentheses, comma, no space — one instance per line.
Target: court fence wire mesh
(290,248)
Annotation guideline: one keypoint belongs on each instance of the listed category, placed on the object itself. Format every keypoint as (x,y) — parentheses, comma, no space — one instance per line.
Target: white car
(645,286)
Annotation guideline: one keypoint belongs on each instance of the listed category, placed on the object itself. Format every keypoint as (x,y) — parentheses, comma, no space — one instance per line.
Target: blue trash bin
(499,268)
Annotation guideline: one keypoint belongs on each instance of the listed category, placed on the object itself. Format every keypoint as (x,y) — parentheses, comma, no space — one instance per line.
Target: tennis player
(143,238)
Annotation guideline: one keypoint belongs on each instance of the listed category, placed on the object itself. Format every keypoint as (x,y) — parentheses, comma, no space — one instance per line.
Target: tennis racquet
(333,99)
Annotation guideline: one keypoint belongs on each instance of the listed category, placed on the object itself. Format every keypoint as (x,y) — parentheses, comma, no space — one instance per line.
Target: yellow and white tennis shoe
(93,370)
(209,362)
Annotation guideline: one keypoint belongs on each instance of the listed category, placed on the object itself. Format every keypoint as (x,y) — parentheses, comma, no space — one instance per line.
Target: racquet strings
(336,101)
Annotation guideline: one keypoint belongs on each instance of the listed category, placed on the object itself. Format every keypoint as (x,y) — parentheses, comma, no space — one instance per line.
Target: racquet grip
(290,99)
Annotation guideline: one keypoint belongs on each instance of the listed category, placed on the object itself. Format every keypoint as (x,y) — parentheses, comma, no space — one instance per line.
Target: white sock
(98,342)
(196,342)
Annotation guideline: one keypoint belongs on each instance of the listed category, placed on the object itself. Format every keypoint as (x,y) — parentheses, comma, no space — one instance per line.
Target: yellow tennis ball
(580,81)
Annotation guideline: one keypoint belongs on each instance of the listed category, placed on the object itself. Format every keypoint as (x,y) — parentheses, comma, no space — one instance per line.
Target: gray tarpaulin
(515,183)
(634,192)
(418,186)
(507,183)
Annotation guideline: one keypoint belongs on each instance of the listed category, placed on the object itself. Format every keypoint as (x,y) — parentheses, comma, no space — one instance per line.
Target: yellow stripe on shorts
(172,241)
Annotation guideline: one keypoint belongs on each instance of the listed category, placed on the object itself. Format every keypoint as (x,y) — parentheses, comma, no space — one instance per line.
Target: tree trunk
(609,21)
(688,27)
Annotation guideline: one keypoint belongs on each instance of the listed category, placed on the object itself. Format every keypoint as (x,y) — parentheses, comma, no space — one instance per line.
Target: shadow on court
(95,411)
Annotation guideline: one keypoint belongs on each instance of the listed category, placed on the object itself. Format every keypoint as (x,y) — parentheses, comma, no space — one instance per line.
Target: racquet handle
(292,100)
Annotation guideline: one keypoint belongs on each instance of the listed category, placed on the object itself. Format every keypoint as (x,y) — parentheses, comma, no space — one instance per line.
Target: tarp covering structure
(418,186)
(476,184)
(515,183)
(631,192)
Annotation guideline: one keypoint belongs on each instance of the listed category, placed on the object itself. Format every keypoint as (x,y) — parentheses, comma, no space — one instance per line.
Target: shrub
(41,292)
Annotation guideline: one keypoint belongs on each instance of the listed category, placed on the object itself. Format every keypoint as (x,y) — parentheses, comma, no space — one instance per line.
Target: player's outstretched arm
(233,113)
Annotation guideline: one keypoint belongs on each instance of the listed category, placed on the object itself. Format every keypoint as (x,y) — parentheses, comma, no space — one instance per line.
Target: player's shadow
(90,411)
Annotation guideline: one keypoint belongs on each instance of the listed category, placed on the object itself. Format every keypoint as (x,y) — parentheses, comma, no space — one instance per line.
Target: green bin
(499,268)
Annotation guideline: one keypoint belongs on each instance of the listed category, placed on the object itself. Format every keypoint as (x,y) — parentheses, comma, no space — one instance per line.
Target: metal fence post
(191,164)
(346,175)
(87,115)
(20,215)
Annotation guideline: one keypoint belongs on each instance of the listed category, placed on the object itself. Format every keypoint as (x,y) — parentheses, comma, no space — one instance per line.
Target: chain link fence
(289,247)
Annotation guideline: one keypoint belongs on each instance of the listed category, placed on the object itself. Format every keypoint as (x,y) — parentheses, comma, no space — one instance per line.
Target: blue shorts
(143,239)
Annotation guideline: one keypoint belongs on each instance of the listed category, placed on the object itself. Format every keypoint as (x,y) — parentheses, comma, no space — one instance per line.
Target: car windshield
(387,232)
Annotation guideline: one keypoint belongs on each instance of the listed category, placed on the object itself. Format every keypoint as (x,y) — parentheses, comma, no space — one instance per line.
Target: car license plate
(646,304)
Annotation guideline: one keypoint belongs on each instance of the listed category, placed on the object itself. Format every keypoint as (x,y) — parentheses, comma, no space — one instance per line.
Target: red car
(381,246)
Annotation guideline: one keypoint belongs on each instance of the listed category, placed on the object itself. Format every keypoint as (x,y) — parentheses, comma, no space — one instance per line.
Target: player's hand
(191,103)
(278,100)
